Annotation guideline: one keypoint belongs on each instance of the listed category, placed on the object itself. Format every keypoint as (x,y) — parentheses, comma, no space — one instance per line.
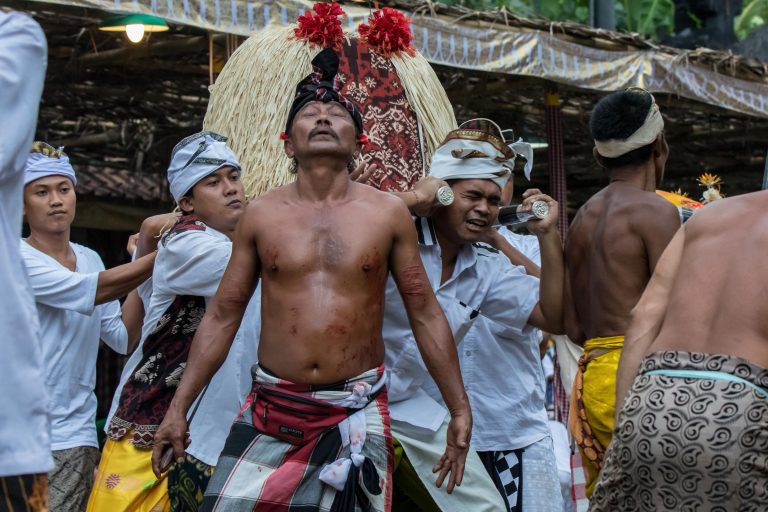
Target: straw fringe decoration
(251,110)
(428,99)
(248,107)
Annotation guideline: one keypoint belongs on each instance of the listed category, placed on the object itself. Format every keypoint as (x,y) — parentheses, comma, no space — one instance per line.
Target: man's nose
(229,187)
(483,206)
(56,199)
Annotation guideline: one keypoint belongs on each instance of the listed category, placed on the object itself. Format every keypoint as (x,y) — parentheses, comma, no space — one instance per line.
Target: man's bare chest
(338,243)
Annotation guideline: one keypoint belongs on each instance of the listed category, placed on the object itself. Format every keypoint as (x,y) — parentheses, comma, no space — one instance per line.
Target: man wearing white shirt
(204,177)
(25,445)
(470,281)
(512,435)
(76,307)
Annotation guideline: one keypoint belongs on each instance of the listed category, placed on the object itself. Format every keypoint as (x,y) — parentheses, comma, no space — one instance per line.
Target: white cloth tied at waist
(352,431)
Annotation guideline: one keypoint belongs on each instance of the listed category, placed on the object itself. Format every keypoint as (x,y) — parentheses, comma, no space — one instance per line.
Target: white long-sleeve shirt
(25,444)
(71,326)
(504,376)
(483,284)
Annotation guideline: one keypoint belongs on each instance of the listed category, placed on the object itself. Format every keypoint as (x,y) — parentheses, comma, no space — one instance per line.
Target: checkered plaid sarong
(258,472)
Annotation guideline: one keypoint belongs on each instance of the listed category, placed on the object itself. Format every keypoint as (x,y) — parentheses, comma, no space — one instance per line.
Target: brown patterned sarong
(697,440)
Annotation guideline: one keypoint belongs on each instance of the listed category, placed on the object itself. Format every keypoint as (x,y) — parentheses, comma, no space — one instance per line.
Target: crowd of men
(331,347)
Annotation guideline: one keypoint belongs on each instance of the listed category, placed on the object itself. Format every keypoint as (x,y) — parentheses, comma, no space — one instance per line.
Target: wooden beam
(178,46)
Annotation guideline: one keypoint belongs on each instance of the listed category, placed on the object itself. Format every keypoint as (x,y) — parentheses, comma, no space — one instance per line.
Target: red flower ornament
(389,33)
(323,28)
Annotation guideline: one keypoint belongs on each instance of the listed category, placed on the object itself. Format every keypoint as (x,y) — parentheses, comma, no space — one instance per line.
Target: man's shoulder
(379,198)
(188,230)
(729,210)
(89,254)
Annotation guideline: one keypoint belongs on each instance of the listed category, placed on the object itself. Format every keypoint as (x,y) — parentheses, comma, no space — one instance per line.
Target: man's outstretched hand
(456,449)
(171,435)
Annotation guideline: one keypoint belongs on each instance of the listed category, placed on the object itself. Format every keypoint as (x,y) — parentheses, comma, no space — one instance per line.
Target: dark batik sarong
(187,483)
(305,448)
(692,435)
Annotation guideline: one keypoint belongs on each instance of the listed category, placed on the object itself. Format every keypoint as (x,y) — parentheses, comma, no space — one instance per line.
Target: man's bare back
(613,246)
(323,280)
(718,294)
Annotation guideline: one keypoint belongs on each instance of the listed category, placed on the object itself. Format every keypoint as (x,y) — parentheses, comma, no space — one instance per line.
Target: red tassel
(363,139)
(322,28)
(283,136)
(389,33)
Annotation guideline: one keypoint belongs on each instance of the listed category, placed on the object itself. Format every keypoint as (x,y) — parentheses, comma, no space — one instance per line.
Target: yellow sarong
(593,403)
(125,482)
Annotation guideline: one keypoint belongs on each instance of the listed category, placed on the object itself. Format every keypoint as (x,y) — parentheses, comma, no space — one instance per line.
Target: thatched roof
(121,109)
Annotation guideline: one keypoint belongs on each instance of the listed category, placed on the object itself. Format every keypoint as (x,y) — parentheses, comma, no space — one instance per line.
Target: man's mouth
(58,212)
(478,223)
(323,131)
(235,203)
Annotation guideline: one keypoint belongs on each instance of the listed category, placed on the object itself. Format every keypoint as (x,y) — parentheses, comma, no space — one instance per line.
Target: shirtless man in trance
(315,430)
(612,248)
(693,430)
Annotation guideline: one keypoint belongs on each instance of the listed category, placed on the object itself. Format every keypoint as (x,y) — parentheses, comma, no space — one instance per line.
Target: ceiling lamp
(134,25)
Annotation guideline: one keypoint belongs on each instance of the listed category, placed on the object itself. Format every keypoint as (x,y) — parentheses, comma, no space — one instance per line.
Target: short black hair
(617,116)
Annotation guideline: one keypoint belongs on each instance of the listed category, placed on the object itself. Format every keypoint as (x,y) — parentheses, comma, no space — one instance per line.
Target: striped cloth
(344,467)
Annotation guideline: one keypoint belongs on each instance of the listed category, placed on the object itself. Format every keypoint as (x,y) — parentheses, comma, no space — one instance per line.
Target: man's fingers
(451,480)
(442,475)
(354,175)
(178,450)
(460,468)
(156,456)
(367,174)
(531,192)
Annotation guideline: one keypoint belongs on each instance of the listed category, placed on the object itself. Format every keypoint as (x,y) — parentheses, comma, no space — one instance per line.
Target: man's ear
(187,204)
(598,157)
(288,148)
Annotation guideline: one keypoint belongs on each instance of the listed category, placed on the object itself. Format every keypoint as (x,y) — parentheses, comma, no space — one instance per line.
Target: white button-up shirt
(483,284)
(503,372)
(193,263)
(25,444)
(71,326)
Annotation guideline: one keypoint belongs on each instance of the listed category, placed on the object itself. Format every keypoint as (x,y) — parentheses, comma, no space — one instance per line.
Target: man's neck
(227,230)
(449,253)
(54,244)
(639,176)
(322,180)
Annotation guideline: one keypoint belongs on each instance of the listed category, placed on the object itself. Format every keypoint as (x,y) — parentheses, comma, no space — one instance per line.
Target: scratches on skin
(413,285)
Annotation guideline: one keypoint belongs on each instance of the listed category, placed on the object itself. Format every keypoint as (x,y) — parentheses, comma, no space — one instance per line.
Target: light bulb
(134,32)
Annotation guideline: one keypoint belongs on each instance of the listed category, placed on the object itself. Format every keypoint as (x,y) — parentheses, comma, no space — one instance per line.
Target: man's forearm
(133,318)
(516,257)
(551,287)
(119,281)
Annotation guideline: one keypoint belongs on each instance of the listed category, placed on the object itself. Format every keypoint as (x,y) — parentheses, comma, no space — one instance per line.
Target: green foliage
(753,15)
(645,16)
(565,10)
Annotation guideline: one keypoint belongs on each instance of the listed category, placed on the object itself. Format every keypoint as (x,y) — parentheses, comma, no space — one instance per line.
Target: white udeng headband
(644,135)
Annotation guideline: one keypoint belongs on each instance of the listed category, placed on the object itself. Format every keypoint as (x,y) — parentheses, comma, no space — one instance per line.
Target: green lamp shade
(118,23)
